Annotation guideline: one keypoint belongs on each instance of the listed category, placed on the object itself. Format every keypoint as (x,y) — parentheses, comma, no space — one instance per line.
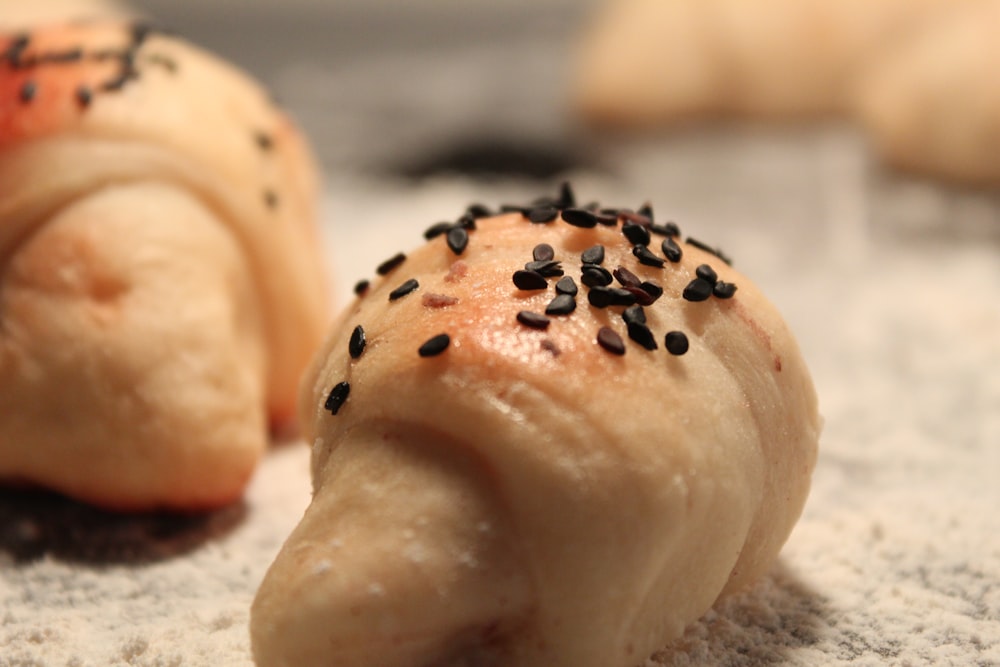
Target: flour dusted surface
(896,559)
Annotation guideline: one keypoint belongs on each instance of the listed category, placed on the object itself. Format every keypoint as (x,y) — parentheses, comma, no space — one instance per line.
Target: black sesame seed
(698,290)
(636,234)
(478,211)
(595,276)
(458,239)
(579,217)
(642,297)
(667,229)
(404,289)
(547,202)
(549,268)
(607,220)
(529,280)
(626,277)
(15,51)
(641,334)
(263,140)
(516,208)
(543,252)
(28,91)
(566,285)
(671,250)
(602,297)
(563,304)
(709,249)
(466,222)
(593,255)
(437,229)
(706,273)
(435,346)
(610,341)
(357,343)
(169,64)
(338,395)
(676,343)
(652,289)
(599,297)
(646,256)
(533,320)
(543,214)
(724,290)
(84,96)
(390,264)
(634,314)
(646,210)
(70,56)
(361,287)
(119,82)
(567,199)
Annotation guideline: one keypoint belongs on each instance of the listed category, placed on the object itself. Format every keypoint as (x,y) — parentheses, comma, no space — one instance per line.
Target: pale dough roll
(648,62)
(22,14)
(117,142)
(932,105)
(529,497)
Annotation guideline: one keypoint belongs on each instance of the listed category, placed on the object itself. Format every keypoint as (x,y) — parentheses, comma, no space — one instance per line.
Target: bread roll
(648,62)
(497,486)
(932,105)
(161,286)
(18,14)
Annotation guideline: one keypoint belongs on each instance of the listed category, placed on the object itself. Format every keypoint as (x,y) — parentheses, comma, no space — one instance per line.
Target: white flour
(895,561)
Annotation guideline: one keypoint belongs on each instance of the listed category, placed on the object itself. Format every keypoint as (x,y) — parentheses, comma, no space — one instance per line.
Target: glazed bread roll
(647,62)
(161,287)
(932,105)
(550,437)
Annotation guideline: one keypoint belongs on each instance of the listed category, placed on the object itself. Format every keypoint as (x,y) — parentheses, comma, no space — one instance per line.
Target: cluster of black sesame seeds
(618,287)
(17,56)
(264,143)
(127,58)
(457,239)
(707,284)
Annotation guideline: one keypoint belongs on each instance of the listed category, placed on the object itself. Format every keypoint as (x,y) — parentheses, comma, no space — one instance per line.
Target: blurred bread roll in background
(932,104)
(918,74)
(22,14)
(654,61)
(161,287)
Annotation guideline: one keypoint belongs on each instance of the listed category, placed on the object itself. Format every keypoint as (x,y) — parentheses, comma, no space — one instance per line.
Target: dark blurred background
(388,85)
(415,108)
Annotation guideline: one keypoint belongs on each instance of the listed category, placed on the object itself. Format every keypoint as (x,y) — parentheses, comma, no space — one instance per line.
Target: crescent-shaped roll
(932,105)
(648,62)
(161,287)
(550,437)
